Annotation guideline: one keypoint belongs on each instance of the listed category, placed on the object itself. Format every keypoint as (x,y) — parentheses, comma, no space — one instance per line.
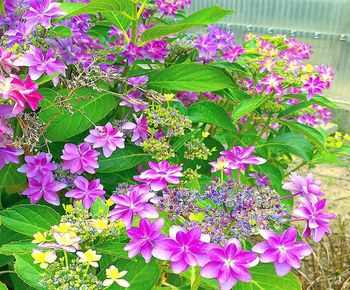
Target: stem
(239,176)
(87,269)
(66,258)
(288,196)
(195,279)
(7,271)
(222,176)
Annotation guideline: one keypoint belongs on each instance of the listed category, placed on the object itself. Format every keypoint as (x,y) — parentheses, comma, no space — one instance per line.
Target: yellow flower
(109,202)
(89,257)
(113,275)
(68,208)
(205,134)
(43,258)
(169,97)
(347,137)
(39,237)
(338,134)
(308,68)
(100,224)
(64,228)
(197,217)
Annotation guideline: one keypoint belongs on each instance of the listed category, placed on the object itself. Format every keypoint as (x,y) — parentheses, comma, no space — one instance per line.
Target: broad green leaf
(12,181)
(183,139)
(247,106)
(28,219)
(19,247)
(209,112)
(61,31)
(46,78)
(122,159)
(233,66)
(2,8)
(85,104)
(310,133)
(31,274)
(190,77)
(3,286)
(291,143)
(236,94)
(112,247)
(319,100)
(203,17)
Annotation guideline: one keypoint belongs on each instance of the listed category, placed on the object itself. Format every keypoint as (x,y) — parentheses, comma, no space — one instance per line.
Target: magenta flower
(221,164)
(45,187)
(316,219)
(160,174)
(106,137)
(267,64)
(86,191)
(308,120)
(306,187)
(240,157)
(313,86)
(38,166)
(39,63)
(272,82)
(80,158)
(206,47)
(130,204)
(156,50)
(283,250)
(183,248)
(139,128)
(232,53)
(261,179)
(132,52)
(8,153)
(144,237)
(41,12)
(6,60)
(229,264)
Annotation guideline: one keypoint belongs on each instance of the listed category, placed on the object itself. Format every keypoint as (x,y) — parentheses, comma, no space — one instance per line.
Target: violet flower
(132,52)
(308,120)
(283,250)
(144,237)
(137,81)
(86,191)
(239,157)
(79,158)
(160,174)
(183,249)
(39,63)
(46,187)
(232,53)
(316,219)
(8,153)
(139,128)
(272,82)
(157,50)
(229,264)
(313,86)
(261,179)
(106,137)
(38,166)
(6,60)
(130,204)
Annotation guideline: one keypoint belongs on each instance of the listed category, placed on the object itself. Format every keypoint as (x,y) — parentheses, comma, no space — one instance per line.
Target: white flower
(89,257)
(43,258)
(113,275)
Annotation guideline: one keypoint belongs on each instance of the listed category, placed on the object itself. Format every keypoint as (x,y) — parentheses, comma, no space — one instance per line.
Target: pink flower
(39,63)
(272,82)
(8,153)
(267,64)
(86,191)
(316,219)
(80,158)
(6,60)
(38,166)
(139,128)
(221,164)
(308,120)
(132,52)
(240,157)
(183,249)
(107,138)
(45,187)
(160,174)
(283,250)
(229,264)
(144,237)
(313,86)
(232,53)
(130,204)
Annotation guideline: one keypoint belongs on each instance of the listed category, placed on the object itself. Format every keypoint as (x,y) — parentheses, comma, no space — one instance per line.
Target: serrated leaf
(247,106)
(11,181)
(114,248)
(31,274)
(61,31)
(46,78)
(18,247)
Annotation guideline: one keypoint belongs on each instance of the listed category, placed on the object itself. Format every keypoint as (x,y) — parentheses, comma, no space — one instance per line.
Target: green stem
(66,258)
(6,271)
(195,279)
(87,269)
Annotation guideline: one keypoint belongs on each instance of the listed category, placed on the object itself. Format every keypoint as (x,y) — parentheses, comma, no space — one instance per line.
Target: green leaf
(12,181)
(46,78)
(202,17)
(31,274)
(311,133)
(98,207)
(264,277)
(28,219)
(2,285)
(209,112)
(61,31)
(19,247)
(183,139)
(2,8)
(319,100)
(291,143)
(86,105)
(247,106)
(122,159)
(112,247)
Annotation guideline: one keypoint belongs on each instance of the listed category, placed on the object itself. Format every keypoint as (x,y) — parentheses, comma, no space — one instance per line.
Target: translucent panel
(324,24)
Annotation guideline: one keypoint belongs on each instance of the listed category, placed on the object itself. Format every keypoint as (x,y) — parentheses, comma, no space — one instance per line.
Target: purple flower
(8,153)
(326,74)
(137,81)
(272,82)
(261,179)
(38,166)
(130,204)
(45,187)
(107,138)
(134,100)
(206,47)
(221,164)
(229,264)
(41,12)
(239,157)
(157,50)
(267,64)
(313,86)
(187,98)
(183,248)
(232,53)
(86,191)
(6,60)
(144,238)
(283,250)
(139,128)
(308,120)
(39,63)
(80,158)
(316,219)
(132,52)
(160,174)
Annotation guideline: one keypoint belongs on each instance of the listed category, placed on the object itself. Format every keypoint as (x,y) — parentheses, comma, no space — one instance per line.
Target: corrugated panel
(325,24)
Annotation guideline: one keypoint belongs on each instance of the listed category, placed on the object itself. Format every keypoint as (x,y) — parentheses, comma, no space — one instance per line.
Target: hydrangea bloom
(308,120)
(229,264)
(139,128)
(8,153)
(79,158)
(261,179)
(160,174)
(86,191)
(144,237)
(240,158)
(283,250)
(106,137)
(221,164)
(38,166)
(313,86)
(67,241)
(316,219)
(272,82)
(183,248)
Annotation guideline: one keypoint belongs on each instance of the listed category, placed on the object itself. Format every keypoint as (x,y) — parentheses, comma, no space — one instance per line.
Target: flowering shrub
(134,153)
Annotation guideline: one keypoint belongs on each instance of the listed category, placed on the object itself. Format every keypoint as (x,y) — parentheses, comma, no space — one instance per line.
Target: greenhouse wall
(324,24)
